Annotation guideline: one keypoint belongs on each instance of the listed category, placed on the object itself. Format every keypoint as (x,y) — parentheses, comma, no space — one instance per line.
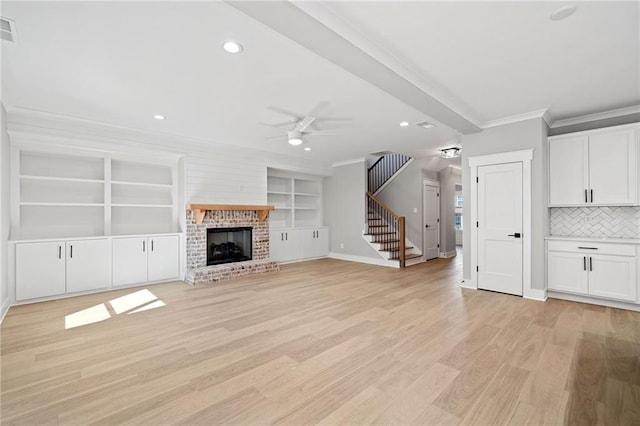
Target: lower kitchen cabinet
(603,270)
(298,243)
(141,259)
(52,268)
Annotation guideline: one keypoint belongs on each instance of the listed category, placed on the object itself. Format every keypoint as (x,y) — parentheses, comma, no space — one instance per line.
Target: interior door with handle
(431,229)
(500,228)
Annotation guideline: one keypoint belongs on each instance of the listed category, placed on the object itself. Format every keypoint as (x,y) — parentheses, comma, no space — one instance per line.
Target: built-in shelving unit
(76,195)
(297,199)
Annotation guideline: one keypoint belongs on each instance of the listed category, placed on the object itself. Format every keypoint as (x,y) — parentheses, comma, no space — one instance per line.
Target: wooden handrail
(400,231)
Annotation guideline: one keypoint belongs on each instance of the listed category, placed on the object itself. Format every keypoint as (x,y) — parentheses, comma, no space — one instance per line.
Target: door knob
(516,235)
(426,226)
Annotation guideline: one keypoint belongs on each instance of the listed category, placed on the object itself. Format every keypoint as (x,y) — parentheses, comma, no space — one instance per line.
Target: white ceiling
(467,63)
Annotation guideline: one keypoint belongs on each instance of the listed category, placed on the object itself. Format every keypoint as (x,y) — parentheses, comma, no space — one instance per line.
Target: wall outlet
(415,210)
(341,245)
(587,219)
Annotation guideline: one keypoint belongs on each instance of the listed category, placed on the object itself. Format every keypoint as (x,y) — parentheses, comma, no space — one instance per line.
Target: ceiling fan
(299,125)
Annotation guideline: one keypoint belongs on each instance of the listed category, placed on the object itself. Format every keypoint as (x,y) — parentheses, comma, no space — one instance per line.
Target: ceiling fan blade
(343,119)
(276,137)
(282,126)
(319,132)
(293,115)
(320,106)
(304,123)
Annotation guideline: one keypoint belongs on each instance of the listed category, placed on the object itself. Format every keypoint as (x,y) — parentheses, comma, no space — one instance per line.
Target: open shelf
(142,184)
(297,198)
(61,179)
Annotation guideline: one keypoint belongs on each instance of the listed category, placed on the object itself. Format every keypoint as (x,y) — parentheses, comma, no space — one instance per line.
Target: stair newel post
(402,253)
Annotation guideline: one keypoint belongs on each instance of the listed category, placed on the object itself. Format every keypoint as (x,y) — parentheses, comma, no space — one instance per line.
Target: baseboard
(467,283)
(3,310)
(448,254)
(535,294)
(362,259)
(594,301)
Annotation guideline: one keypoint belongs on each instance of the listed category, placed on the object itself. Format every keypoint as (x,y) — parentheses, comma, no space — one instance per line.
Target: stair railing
(383,169)
(390,232)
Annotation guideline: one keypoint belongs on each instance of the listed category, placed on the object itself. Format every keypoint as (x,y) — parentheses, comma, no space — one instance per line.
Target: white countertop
(596,239)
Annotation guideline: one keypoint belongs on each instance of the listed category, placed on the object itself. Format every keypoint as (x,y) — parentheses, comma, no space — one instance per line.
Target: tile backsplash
(610,222)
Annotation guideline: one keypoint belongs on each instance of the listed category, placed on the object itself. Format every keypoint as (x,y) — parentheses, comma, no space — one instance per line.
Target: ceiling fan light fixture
(452,152)
(295,138)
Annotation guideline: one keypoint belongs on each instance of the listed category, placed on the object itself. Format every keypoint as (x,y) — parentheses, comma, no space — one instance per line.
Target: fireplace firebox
(227,245)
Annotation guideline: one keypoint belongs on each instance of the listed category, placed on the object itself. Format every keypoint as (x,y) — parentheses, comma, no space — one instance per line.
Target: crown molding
(347,162)
(541,113)
(596,116)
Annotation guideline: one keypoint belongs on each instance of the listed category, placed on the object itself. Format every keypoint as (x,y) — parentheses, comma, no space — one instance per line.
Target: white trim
(630,126)
(388,181)
(541,113)
(468,284)
(525,157)
(363,259)
(347,162)
(4,310)
(436,183)
(597,116)
(537,294)
(448,254)
(593,301)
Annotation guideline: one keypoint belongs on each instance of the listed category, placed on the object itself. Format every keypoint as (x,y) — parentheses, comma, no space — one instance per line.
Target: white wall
(344,210)
(5,155)
(529,134)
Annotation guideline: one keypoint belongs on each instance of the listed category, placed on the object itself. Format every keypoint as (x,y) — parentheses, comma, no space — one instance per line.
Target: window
(458,222)
(458,200)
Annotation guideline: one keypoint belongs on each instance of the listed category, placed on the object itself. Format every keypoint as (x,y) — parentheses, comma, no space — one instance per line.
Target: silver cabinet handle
(584,262)
(588,248)
(592,195)
(591,264)
(71,251)
(586,197)
(143,245)
(151,245)
(59,252)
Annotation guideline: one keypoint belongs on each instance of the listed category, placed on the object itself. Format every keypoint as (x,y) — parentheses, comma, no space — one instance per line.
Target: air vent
(8,30)
(425,125)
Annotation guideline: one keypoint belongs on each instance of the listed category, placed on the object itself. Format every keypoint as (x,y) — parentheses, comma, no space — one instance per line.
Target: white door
(500,228)
(612,168)
(568,272)
(163,258)
(569,171)
(87,265)
(613,277)
(129,260)
(40,270)
(431,208)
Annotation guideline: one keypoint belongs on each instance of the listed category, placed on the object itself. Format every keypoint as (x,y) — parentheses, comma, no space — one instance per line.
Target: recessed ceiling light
(158,117)
(425,125)
(307,149)
(232,47)
(562,13)
(404,123)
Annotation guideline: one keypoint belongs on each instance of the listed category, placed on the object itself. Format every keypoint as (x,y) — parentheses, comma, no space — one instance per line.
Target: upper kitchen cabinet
(594,168)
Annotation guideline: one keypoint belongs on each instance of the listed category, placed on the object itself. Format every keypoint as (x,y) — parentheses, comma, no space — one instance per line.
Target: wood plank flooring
(322,342)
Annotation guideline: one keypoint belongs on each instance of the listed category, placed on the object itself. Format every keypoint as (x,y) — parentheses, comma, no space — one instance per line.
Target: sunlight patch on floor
(132,301)
(87,316)
(153,305)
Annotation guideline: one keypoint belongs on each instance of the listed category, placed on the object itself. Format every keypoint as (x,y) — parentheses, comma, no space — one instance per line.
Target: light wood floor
(327,342)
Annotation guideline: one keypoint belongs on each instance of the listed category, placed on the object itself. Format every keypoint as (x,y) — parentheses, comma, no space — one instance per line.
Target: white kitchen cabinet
(52,268)
(141,259)
(603,270)
(594,168)
(40,269)
(314,242)
(87,265)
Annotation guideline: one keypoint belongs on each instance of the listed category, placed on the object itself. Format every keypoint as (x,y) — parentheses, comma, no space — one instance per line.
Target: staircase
(385,230)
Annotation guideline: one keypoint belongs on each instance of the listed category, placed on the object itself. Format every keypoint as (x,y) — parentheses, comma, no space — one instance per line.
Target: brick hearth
(197,270)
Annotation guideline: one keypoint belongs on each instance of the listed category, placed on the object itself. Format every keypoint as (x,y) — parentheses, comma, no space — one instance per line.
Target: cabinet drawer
(592,247)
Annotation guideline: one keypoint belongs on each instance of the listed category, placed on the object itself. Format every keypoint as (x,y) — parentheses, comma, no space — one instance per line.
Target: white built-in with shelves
(72,212)
(296,226)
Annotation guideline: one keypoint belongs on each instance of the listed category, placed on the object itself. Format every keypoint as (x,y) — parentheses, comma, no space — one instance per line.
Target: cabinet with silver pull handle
(291,244)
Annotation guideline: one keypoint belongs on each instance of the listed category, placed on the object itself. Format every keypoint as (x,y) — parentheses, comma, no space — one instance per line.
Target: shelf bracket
(199,215)
(263,215)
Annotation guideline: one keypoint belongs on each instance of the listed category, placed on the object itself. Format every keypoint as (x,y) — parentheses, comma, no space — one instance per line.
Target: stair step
(380,233)
(378,226)
(394,250)
(407,257)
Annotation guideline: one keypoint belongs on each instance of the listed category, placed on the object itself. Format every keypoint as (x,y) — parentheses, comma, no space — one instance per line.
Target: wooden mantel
(200,209)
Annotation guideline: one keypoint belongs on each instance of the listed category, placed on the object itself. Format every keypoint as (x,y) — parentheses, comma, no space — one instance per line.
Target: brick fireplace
(202,217)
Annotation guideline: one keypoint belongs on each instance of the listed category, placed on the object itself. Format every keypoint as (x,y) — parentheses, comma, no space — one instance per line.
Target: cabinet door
(567,272)
(307,243)
(568,171)
(276,245)
(612,168)
(164,258)
(40,270)
(87,265)
(129,260)
(321,244)
(613,277)
(291,244)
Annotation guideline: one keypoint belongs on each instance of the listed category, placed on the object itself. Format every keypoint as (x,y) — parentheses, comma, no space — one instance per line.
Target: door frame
(435,183)
(525,157)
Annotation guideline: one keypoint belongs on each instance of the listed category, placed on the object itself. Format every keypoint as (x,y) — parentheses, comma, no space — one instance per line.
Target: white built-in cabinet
(297,231)
(70,207)
(142,259)
(595,168)
(53,268)
(296,244)
(602,270)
